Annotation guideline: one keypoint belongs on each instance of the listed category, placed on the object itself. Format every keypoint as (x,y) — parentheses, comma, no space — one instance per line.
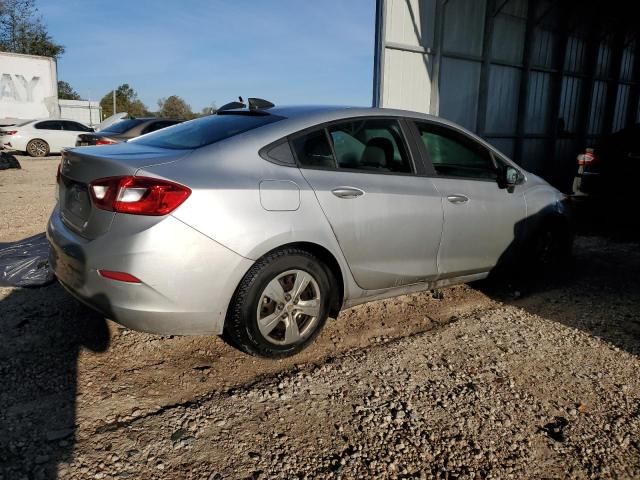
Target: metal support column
(560,55)
(586,97)
(378,60)
(634,93)
(489,20)
(434,103)
(524,80)
(613,83)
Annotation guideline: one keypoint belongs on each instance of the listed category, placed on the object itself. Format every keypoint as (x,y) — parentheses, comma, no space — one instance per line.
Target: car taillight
(588,157)
(8,132)
(105,141)
(58,172)
(138,195)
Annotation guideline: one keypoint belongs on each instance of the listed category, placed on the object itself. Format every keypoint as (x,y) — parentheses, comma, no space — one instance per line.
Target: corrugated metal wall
(539,79)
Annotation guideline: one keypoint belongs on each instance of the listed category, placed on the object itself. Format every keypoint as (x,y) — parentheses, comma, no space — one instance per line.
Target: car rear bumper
(587,183)
(187,279)
(13,142)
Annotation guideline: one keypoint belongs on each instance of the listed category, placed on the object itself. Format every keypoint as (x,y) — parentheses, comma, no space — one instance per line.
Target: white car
(39,138)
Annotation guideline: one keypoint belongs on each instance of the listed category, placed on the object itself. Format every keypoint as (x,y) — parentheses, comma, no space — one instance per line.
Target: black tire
(241,326)
(38,148)
(550,248)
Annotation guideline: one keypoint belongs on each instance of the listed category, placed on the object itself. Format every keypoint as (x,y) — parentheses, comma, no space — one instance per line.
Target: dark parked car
(610,167)
(124,130)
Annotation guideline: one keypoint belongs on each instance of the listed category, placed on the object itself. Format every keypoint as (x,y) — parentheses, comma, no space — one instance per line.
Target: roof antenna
(232,105)
(259,104)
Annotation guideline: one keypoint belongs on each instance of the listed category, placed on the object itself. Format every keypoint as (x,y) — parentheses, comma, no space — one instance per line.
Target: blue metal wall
(540,79)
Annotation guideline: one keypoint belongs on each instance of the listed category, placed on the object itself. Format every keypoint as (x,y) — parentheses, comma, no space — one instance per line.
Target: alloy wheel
(289,307)
(38,148)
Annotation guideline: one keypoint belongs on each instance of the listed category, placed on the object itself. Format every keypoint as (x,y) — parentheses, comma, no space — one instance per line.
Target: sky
(287,51)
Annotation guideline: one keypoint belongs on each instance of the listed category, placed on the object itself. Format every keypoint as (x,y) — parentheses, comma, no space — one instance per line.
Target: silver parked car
(260,223)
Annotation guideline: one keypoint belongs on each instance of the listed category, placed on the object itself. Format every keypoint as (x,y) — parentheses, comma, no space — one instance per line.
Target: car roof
(313,114)
(52,120)
(151,119)
(302,117)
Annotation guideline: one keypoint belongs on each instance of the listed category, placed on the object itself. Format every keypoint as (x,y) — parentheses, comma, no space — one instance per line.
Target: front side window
(455,155)
(371,145)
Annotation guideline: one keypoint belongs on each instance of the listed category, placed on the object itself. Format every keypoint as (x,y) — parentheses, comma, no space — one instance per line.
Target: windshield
(205,131)
(123,125)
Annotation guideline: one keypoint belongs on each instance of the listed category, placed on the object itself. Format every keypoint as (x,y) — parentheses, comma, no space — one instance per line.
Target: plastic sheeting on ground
(25,263)
(8,161)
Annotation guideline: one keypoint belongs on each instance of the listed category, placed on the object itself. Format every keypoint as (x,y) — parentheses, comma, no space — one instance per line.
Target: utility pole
(114,102)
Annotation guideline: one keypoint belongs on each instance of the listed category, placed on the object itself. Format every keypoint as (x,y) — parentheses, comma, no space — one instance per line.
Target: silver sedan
(261,222)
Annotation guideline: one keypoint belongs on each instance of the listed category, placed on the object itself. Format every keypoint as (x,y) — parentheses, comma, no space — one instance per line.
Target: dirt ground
(477,381)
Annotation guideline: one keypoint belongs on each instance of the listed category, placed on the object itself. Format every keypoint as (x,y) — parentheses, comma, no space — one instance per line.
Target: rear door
(386,218)
(51,132)
(71,130)
(480,217)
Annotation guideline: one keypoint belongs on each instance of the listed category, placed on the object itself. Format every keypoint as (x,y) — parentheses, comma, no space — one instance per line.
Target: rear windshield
(205,131)
(123,125)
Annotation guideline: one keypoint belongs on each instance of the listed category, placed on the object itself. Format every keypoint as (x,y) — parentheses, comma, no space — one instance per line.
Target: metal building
(539,79)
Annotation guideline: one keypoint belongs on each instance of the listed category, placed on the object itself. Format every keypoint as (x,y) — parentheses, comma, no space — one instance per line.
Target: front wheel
(281,304)
(550,249)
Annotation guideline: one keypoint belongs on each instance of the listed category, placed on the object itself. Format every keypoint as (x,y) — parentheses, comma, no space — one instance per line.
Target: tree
(66,91)
(22,30)
(175,107)
(126,101)
(210,110)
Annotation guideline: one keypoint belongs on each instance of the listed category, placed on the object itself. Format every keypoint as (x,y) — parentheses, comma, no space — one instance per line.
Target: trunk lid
(107,122)
(81,166)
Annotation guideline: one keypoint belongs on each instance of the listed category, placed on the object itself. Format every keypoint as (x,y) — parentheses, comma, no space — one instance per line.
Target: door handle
(457,199)
(347,192)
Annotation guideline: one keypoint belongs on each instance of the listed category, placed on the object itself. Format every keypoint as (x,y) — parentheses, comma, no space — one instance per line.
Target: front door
(480,218)
(51,132)
(387,221)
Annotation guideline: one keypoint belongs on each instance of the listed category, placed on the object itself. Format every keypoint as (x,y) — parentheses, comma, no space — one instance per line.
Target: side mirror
(509,177)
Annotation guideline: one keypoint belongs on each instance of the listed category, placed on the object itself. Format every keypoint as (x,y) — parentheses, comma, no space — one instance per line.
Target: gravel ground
(474,381)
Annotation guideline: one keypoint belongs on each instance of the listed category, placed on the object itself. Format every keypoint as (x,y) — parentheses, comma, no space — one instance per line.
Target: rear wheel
(281,304)
(38,148)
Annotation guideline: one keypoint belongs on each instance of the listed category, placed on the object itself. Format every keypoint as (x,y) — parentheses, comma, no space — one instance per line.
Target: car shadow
(597,291)
(42,332)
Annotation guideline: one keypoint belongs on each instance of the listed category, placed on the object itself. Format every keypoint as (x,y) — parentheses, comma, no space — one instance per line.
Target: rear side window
(374,145)
(455,155)
(206,130)
(48,125)
(74,127)
(279,153)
